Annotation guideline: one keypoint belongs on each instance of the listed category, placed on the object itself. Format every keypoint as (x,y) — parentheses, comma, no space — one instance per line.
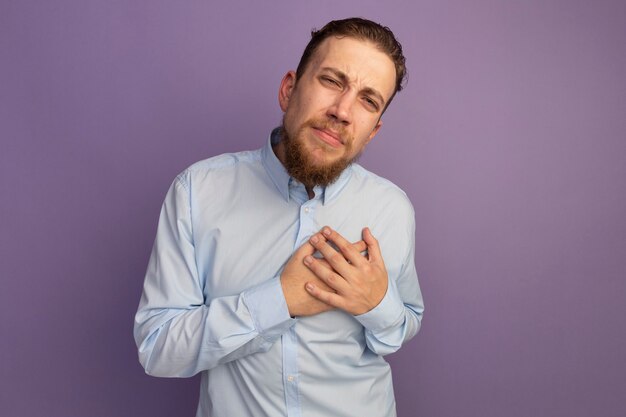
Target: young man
(265,274)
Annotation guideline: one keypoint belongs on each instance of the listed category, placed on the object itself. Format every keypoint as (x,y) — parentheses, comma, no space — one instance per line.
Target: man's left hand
(360,282)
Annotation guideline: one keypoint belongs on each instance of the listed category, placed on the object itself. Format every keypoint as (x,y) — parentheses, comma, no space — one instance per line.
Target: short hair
(362,29)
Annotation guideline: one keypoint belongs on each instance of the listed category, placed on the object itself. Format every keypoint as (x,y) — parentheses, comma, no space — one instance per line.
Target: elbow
(149,366)
(164,369)
(164,363)
(149,357)
(384,350)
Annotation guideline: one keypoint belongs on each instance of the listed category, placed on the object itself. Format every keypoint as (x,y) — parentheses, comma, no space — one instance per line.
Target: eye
(371,103)
(330,81)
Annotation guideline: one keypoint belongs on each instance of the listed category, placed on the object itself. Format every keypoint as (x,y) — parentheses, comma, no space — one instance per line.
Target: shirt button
(306,209)
(290,378)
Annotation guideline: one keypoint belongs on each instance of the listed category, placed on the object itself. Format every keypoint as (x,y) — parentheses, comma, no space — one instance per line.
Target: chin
(322,162)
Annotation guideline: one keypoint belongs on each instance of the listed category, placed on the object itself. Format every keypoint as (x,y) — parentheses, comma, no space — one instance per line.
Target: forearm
(180,342)
(398,317)
(393,322)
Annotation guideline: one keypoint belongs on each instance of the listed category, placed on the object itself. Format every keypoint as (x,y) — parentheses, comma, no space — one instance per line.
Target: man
(265,274)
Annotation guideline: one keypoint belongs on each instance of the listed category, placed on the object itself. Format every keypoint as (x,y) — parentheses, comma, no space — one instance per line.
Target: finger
(373,249)
(324,263)
(335,258)
(304,250)
(326,275)
(360,246)
(345,247)
(327,297)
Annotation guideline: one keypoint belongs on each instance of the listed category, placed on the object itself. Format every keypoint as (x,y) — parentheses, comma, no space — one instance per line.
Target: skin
(357,283)
(334,109)
(343,93)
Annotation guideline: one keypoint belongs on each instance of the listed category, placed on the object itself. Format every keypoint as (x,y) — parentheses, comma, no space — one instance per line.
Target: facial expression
(334,109)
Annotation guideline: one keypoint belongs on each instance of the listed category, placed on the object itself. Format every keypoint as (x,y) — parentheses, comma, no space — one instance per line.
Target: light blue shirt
(212,300)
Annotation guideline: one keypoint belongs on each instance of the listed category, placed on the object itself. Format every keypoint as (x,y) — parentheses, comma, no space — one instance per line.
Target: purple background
(509,139)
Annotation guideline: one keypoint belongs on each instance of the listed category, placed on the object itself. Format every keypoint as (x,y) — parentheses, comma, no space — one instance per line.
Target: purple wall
(509,139)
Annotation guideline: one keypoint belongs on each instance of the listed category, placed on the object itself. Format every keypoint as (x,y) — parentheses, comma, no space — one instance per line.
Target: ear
(379,124)
(286,88)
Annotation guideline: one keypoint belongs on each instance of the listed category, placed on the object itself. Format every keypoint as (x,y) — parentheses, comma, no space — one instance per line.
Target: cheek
(291,116)
(296,112)
(368,125)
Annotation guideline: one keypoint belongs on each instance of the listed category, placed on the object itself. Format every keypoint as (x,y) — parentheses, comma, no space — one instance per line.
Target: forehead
(360,60)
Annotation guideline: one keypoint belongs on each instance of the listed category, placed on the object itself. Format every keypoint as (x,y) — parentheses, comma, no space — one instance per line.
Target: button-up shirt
(212,300)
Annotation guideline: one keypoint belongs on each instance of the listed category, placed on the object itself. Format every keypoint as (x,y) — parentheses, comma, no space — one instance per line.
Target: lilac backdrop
(509,139)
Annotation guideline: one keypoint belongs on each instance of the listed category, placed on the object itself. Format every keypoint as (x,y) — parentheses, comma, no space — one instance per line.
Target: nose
(341,110)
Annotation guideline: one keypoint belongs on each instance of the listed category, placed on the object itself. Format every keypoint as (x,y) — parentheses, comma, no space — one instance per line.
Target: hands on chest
(342,278)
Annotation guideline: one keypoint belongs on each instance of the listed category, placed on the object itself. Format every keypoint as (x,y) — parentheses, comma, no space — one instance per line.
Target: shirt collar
(281,178)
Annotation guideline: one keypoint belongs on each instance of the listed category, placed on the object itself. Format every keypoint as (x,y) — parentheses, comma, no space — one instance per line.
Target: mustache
(326,124)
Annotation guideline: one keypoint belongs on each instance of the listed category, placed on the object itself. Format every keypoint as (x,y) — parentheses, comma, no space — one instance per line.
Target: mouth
(328,136)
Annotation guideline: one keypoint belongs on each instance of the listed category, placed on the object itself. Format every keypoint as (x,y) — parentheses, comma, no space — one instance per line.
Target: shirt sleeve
(398,317)
(176,333)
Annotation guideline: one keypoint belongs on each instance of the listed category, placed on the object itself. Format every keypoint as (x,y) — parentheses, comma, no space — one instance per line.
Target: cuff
(388,313)
(268,308)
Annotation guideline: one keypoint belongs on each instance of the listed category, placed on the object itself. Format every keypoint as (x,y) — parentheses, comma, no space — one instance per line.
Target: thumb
(304,250)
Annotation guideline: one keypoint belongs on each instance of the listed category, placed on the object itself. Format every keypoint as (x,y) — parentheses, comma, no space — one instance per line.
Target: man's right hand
(296,274)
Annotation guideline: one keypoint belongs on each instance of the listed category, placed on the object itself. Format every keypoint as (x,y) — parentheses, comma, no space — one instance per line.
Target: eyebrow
(344,79)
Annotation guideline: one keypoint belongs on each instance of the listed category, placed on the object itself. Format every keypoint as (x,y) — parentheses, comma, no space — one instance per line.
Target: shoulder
(221,165)
(386,209)
(379,188)
(227,161)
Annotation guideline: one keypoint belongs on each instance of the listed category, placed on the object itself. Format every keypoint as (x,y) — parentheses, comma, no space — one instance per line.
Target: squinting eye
(371,103)
(331,81)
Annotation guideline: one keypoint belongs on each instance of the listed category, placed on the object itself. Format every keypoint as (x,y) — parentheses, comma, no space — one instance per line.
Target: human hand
(295,275)
(353,283)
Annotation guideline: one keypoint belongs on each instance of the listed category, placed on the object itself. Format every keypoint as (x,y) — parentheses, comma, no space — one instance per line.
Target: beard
(301,166)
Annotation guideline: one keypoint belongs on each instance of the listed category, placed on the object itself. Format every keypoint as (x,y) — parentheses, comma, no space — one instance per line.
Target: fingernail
(308,260)
(314,239)
(326,231)
(309,286)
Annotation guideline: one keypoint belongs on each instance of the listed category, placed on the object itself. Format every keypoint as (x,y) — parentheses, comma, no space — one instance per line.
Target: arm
(389,308)
(176,333)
